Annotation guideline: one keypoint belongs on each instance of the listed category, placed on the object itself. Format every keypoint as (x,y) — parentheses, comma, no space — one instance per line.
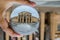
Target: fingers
(32,3)
(8,30)
(25,2)
(10,3)
(11,32)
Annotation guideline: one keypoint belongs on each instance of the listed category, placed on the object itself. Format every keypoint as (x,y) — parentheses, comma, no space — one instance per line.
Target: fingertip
(15,35)
(33,4)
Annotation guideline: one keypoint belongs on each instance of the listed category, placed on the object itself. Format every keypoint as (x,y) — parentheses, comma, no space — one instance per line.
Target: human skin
(3,21)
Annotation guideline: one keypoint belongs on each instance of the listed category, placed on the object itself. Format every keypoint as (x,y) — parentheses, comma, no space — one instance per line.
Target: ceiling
(48,3)
(45,0)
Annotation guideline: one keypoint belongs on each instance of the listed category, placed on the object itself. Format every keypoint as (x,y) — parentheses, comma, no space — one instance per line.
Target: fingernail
(33,4)
(19,36)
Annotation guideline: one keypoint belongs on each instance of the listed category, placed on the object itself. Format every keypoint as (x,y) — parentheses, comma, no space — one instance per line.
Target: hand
(4,23)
